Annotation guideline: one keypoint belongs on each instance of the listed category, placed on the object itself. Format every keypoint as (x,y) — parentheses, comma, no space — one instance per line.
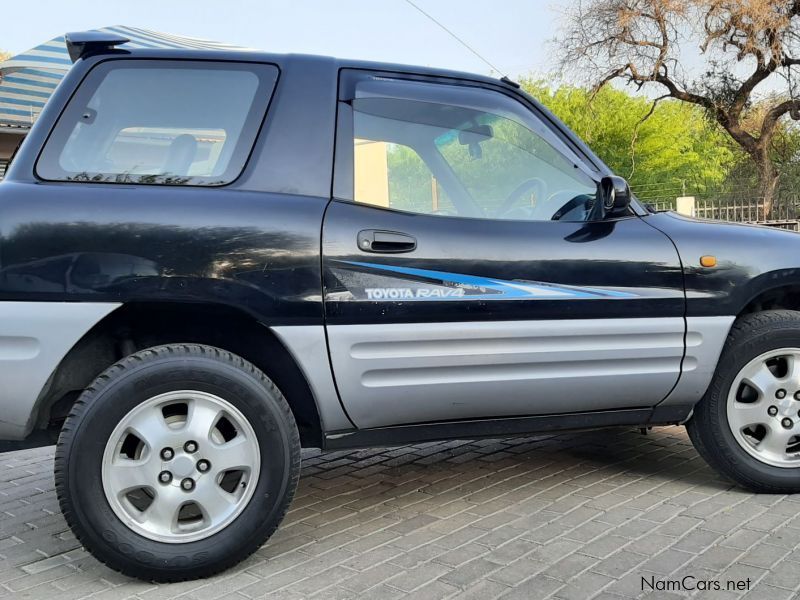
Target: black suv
(210,259)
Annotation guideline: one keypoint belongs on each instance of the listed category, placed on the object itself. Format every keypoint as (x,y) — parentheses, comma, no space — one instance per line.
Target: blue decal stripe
(502,289)
(469,280)
(611,293)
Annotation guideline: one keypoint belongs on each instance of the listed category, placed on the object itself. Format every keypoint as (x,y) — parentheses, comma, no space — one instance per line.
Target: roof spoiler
(82,43)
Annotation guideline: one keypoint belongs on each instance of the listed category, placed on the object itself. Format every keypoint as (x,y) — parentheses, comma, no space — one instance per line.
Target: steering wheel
(529,185)
(577,201)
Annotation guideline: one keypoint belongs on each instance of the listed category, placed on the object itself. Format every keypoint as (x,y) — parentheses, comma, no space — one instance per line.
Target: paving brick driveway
(573,516)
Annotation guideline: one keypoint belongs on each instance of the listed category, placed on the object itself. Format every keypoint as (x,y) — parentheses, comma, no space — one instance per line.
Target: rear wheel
(178,462)
(748,424)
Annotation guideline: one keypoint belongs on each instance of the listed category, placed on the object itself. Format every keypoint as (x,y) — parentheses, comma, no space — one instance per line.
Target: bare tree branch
(639,43)
(775,113)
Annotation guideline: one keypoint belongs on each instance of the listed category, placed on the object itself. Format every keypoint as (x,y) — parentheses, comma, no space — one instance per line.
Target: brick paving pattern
(569,516)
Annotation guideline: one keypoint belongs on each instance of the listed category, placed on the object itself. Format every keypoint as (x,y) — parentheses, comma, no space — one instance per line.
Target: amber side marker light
(708,261)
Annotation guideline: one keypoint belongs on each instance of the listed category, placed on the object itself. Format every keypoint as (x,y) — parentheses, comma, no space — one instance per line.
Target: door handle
(385,242)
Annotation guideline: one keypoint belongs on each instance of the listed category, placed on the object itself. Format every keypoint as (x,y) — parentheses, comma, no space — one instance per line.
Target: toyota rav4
(211,259)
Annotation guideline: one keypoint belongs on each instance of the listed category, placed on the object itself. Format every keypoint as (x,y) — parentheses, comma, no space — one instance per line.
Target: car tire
(234,415)
(763,348)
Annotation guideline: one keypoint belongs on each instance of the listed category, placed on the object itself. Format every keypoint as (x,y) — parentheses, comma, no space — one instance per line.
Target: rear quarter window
(159,123)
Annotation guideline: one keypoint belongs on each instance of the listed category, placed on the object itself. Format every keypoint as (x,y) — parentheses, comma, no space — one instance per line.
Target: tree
(746,46)
(675,145)
(4,55)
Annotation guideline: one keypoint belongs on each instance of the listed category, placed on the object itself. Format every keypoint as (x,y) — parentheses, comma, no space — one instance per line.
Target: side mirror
(615,196)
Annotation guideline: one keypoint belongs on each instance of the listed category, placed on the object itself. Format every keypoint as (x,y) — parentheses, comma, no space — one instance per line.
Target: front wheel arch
(751,336)
(775,290)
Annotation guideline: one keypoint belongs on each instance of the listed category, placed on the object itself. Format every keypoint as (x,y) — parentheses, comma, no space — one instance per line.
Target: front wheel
(747,425)
(178,462)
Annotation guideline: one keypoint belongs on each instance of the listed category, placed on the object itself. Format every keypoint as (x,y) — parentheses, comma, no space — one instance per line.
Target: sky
(511,34)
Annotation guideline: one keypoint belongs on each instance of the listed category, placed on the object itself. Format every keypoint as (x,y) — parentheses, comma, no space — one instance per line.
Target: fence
(785,211)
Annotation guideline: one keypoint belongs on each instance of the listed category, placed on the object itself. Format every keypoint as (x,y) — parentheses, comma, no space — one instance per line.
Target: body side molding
(309,348)
(705,338)
(447,371)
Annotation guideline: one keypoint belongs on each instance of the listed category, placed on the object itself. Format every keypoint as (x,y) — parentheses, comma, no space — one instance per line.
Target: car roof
(279,59)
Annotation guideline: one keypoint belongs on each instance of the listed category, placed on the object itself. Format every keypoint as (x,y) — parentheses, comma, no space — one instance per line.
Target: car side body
(249,254)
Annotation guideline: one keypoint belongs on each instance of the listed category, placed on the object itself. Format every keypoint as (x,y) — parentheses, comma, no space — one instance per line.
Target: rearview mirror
(473,137)
(475,134)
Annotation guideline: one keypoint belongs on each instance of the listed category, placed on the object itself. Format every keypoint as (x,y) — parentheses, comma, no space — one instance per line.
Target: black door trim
(504,427)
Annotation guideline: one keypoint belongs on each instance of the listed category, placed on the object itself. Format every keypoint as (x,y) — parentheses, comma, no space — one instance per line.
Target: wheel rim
(181,466)
(764,408)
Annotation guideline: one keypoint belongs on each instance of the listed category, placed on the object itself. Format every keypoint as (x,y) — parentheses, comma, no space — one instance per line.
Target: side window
(159,122)
(394,176)
(440,158)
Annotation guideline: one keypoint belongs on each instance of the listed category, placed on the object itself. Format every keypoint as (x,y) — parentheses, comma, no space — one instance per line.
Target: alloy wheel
(763,407)
(181,466)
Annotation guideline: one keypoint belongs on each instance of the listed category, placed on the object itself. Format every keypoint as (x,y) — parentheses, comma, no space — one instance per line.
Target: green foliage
(675,145)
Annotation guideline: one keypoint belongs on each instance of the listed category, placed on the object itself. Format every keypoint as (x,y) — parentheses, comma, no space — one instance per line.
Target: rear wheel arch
(226,400)
(135,326)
